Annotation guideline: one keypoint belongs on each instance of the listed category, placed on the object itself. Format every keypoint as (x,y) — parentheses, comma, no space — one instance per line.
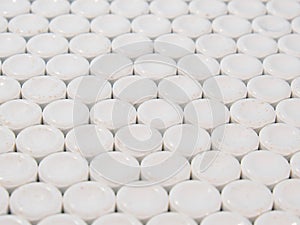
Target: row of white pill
(196,199)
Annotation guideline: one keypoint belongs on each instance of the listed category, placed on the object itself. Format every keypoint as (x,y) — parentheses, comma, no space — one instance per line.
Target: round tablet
(248,198)
(256,45)
(165,168)
(50,8)
(174,45)
(7,140)
(138,140)
(271,26)
(159,114)
(114,169)
(23,66)
(224,88)
(171,218)
(89,200)
(13,220)
(11,44)
(296,25)
(129,8)
(4,201)
(89,140)
(215,45)
(40,140)
(89,89)
(192,26)
(254,167)
(131,200)
(134,89)
(132,45)
(203,197)
(246,9)
(62,219)
(67,66)
(19,114)
(289,44)
(28,25)
(65,114)
(90,8)
(241,66)
(116,219)
(151,26)
(10,89)
(208,8)
(212,113)
(286,196)
(283,66)
(286,111)
(89,45)
(280,138)
(231,26)
(69,25)
(3,24)
(111,66)
(295,165)
(179,89)
(35,201)
(287,9)
(168,8)
(110,25)
(198,67)
(225,217)
(277,218)
(295,85)
(252,113)
(278,89)
(11,8)
(186,140)
(43,89)
(63,169)
(154,66)
(234,139)
(116,115)
(215,167)
(47,45)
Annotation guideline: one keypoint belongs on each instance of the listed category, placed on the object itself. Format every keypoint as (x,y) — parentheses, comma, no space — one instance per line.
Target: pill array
(154,112)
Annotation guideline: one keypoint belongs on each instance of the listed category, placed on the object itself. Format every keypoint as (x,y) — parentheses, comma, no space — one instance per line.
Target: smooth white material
(296,25)
(295,85)
(226,218)
(10,8)
(129,8)
(13,220)
(117,219)
(168,8)
(277,218)
(90,8)
(208,8)
(289,44)
(4,196)
(10,89)
(50,8)
(7,140)
(171,218)
(246,9)
(3,24)
(287,9)
(11,44)
(295,165)
(65,219)
(286,111)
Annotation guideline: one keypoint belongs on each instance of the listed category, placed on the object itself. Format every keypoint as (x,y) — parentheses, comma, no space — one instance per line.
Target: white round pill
(47,45)
(287,9)
(116,219)
(89,45)
(143,202)
(296,25)
(11,44)
(114,169)
(248,198)
(171,218)
(11,8)
(117,114)
(151,26)
(89,140)
(138,140)
(295,165)
(4,201)
(254,167)
(65,114)
(246,9)
(208,8)
(280,138)
(50,8)
(10,89)
(19,114)
(286,111)
(13,220)
(43,89)
(40,140)
(168,8)
(35,201)
(186,139)
(234,139)
(7,140)
(289,44)
(295,85)
(90,8)
(286,196)
(277,218)
(3,24)
(225,217)
(129,8)
(215,45)
(66,219)
(195,199)
(252,113)
(89,200)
